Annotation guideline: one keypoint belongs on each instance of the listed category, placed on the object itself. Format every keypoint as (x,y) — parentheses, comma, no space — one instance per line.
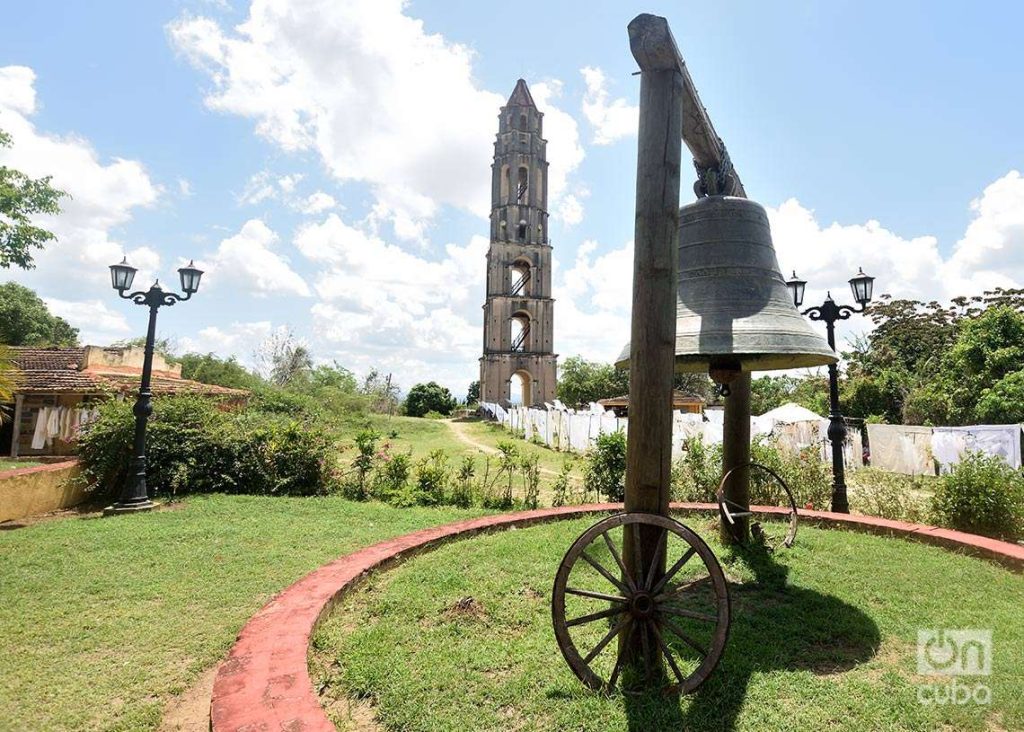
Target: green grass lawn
(104,619)
(17,464)
(823,637)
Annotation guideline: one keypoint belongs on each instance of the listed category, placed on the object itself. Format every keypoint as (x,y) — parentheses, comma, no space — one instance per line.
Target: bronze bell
(733,309)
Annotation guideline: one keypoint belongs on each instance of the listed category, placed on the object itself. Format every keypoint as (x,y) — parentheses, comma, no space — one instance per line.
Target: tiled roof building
(73,379)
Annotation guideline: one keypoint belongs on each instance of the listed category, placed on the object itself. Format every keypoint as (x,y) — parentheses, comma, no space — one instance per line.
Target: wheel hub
(641,605)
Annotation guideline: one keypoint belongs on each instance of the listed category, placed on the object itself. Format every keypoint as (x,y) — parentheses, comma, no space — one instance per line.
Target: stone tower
(519,311)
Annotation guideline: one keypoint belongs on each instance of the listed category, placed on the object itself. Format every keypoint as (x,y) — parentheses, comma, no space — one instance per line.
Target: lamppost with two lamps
(135,497)
(828,312)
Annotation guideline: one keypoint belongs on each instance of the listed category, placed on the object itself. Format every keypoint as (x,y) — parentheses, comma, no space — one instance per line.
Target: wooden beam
(654,48)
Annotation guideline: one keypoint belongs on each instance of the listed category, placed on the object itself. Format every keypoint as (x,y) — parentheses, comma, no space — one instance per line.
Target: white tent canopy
(791,413)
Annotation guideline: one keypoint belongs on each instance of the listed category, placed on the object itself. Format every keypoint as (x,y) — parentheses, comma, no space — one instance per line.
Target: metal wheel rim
(698,548)
(730,515)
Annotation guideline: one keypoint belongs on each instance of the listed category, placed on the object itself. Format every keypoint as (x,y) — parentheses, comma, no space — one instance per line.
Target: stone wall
(30,491)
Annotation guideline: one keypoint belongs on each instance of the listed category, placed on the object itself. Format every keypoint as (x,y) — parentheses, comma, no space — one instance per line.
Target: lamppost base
(120,508)
(840,506)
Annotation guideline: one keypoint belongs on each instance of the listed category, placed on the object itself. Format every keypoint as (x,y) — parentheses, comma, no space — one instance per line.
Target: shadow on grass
(775,626)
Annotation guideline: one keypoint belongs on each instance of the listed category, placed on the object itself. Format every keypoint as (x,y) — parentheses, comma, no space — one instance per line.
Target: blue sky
(328,162)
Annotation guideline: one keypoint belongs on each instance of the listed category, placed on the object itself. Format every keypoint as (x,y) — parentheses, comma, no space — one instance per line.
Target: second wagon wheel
(775,493)
(682,616)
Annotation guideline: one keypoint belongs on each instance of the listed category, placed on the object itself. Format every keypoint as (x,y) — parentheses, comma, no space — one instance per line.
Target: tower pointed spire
(521,96)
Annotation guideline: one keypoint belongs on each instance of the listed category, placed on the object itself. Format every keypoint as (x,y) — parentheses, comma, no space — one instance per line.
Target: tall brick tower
(519,312)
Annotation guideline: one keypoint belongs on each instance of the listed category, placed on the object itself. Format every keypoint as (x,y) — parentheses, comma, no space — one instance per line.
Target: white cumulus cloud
(382,306)
(248,260)
(611,120)
(380,99)
(102,196)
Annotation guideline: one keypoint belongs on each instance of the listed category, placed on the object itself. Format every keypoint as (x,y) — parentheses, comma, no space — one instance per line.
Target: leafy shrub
(192,447)
(808,476)
(462,495)
(531,481)
(431,479)
(561,487)
(887,495)
(391,480)
(508,463)
(696,475)
(432,414)
(982,495)
(366,447)
(605,469)
(292,404)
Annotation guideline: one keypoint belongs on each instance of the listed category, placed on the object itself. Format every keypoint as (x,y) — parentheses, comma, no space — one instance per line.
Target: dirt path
(459,428)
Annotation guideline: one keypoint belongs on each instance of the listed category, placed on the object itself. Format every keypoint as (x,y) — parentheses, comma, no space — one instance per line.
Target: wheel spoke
(684,637)
(672,572)
(680,589)
(673,610)
(595,595)
(645,644)
(618,560)
(604,641)
(668,653)
(622,649)
(656,560)
(605,573)
(594,616)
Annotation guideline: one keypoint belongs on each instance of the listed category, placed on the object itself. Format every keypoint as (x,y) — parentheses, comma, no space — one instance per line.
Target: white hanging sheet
(901,448)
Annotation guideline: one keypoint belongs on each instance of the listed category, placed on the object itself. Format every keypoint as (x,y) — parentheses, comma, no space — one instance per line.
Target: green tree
(26,321)
(209,368)
(769,392)
(473,392)
(333,376)
(21,198)
(1004,402)
(988,349)
(581,382)
(429,397)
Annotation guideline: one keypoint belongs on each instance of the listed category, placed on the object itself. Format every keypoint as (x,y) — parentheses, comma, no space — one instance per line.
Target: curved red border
(264,683)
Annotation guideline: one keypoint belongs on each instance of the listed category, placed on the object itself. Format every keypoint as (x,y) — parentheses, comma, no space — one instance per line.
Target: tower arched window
(519,326)
(521,230)
(522,184)
(506,183)
(519,279)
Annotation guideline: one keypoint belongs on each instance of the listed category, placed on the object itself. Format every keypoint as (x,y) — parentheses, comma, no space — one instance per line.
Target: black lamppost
(134,497)
(828,312)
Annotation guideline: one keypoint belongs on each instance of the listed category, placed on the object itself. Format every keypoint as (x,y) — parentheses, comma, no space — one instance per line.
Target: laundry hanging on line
(62,423)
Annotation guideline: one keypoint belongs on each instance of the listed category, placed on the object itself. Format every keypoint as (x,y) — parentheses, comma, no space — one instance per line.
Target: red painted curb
(264,684)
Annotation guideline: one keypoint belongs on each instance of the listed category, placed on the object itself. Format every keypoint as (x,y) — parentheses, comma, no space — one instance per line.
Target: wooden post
(16,427)
(653,328)
(736,454)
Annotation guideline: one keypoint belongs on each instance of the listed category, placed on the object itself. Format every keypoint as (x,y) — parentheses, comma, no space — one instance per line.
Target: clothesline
(62,423)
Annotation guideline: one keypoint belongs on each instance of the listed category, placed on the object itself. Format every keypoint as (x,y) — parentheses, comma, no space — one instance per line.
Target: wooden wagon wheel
(683,615)
(730,510)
